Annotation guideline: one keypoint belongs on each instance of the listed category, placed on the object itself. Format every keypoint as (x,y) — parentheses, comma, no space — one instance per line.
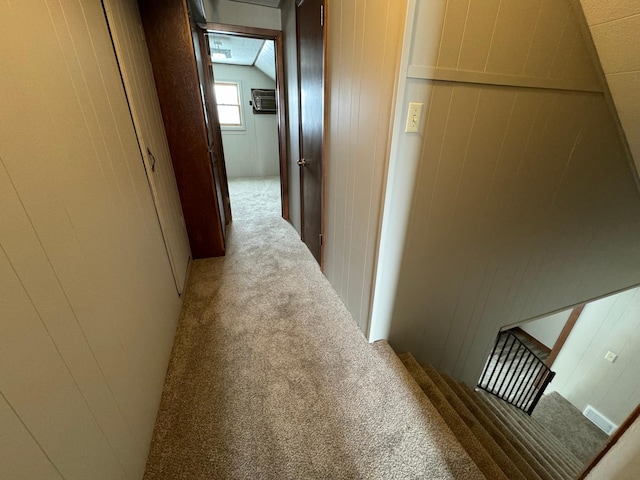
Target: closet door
(127,34)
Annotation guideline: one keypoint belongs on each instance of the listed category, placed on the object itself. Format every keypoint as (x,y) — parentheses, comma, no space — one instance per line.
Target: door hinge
(322,15)
(320,239)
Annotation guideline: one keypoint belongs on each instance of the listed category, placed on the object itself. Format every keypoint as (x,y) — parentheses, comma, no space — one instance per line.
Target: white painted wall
(520,201)
(622,462)
(252,151)
(615,28)
(88,303)
(245,14)
(547,329)
(135,65)
(363,53)
(583,375)
(288,10)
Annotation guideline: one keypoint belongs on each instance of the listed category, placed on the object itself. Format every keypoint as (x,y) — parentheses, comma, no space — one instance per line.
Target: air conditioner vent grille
(599,420)
(263,101)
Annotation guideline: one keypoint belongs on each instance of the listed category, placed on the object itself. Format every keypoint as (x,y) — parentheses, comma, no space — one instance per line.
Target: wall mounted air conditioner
(263,101)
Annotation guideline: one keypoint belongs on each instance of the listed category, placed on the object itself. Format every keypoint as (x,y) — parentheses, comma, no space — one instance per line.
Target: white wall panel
(547,329)
(521,199)
(253,150)
(89,306)
(622,462)
(133,58)
(364,40)
(583,376)
(22,458)
(528,42)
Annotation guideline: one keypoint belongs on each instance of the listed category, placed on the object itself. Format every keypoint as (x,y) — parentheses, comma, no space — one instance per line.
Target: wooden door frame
(564,334)
(217,149)
(276,36)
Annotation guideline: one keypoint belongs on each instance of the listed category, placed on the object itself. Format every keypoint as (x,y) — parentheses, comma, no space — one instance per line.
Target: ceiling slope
(615,29)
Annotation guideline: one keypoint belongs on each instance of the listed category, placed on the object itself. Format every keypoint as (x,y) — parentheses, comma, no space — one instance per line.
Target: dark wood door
(310,31)
(214,133)
(171,49)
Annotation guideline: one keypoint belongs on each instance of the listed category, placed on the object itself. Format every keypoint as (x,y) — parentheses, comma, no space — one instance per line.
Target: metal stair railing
(515,374)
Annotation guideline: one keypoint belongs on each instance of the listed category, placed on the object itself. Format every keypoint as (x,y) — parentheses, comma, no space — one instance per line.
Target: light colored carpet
(270,377)
(570,426)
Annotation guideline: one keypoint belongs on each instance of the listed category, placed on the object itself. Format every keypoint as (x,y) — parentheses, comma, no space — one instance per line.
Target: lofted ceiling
(237,50)
(615,29)
(266,3)
(233,49)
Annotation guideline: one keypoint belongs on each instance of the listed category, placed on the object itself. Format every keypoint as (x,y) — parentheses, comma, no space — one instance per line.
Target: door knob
(302,162)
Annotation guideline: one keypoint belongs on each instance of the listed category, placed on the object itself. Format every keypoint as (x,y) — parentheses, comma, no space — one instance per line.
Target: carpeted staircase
(504,442)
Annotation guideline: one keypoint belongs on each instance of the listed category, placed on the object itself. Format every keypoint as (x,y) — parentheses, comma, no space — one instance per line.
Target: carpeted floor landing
(270,377)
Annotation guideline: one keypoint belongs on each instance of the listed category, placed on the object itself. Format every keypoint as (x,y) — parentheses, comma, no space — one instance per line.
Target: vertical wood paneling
(583,376)
(133,59)
(515,25)
(42,385)
(89,306)
(364,39)
(528,39)
(479,26)
(501,215)
(523,203)
(252,152)
(22,458)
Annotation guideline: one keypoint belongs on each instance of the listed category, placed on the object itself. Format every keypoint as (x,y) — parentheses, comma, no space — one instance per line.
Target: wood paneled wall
(584,377)
(88,306)
(521,199)
(363,54)
(133,58)
(615,28)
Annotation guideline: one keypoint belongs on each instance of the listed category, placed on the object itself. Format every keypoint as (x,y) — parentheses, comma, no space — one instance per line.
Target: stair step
(509,432)
(445,447)
(539,431)
(520,431)
(479,454)
(518,453)
(547,442)
(505,462)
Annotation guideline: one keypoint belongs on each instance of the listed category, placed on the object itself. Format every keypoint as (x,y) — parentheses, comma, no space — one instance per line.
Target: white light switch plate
(413,117)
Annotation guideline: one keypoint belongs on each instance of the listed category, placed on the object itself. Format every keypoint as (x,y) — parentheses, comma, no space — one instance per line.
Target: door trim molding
(276,36)
(564,334)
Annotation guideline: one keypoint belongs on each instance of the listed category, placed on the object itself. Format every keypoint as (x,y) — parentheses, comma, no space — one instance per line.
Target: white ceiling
(244,51)
(266,3)
(266,61)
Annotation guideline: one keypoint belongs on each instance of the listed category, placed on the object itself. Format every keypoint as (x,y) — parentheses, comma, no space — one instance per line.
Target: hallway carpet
(570,426)
(270,377)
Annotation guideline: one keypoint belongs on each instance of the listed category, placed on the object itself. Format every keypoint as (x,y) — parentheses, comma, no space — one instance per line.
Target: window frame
(238,85)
